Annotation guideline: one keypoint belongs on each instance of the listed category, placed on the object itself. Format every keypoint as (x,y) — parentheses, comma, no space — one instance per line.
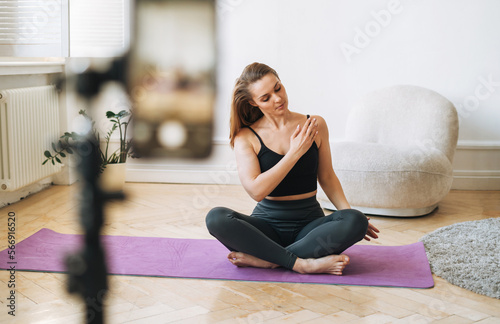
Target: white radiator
(29,122)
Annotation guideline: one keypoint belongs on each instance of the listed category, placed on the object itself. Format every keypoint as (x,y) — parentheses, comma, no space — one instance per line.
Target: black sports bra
(302,178)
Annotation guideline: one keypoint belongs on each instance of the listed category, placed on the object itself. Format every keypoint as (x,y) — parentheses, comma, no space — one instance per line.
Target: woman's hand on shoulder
(303,137)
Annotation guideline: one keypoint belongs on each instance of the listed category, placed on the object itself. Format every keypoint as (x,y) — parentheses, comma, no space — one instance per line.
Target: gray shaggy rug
(467,255)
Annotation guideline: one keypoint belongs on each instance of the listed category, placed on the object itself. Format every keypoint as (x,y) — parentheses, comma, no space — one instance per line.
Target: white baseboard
(478,145)
(8,198)
(476,180)
(170,174)
(477,165)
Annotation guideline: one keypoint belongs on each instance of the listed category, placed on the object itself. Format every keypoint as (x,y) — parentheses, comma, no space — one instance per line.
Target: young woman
(281,156)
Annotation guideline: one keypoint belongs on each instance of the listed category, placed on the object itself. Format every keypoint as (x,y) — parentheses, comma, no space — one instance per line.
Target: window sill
(27,67)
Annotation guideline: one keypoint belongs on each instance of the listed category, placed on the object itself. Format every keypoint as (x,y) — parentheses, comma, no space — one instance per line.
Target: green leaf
(52,162)
(110,114)
(47,154)
(54,146)
(69,150)
(62,154)
(45,162)
(58,160)
(122,114)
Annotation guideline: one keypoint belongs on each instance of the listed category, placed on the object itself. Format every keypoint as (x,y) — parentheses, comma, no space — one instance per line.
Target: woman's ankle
(300,265)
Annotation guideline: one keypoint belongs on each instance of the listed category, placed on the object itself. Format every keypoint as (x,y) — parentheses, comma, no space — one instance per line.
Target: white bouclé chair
(396,159)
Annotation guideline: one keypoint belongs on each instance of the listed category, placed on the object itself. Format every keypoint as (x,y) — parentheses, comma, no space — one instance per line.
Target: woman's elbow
(258,196)
(255,194)
(254,190)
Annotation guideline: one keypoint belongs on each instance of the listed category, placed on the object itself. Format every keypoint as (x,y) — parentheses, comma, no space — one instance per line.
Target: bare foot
(332,264)
(246,260)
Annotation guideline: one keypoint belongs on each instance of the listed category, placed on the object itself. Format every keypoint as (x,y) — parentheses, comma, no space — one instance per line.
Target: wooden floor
(166,210)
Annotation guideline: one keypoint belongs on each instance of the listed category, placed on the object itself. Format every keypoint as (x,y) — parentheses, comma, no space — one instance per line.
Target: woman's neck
(278,122)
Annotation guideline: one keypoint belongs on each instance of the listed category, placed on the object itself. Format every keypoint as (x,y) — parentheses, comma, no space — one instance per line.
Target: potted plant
(112,167)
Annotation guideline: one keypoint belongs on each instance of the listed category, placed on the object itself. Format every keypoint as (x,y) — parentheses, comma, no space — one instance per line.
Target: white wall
(330,53)
(449,46)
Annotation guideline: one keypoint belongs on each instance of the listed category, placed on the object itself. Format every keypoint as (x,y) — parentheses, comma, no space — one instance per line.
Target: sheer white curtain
(62,28)
(33,28)
(99,28)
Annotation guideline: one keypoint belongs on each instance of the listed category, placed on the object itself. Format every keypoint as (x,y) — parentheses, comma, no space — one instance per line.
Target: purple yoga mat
(391,266)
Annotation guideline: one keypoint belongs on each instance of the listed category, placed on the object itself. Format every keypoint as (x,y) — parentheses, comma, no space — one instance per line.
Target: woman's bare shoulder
(243,133)
(320,120)
(318,117)
(245,138)
(323,132)
(300,116)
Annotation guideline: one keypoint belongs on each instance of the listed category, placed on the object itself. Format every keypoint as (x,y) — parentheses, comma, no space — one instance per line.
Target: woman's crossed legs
(316,248)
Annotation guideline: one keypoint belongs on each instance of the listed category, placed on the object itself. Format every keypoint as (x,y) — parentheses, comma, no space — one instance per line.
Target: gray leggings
(281,231)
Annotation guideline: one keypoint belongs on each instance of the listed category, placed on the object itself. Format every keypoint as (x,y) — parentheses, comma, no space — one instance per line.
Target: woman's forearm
(333,190)
(264,183)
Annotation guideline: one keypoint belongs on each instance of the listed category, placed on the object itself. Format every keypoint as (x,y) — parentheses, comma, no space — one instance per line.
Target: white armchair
(396,159)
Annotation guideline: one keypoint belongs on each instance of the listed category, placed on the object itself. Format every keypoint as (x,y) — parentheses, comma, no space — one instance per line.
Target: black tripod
(87,268)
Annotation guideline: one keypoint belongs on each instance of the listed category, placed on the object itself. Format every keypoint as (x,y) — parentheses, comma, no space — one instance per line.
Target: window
(99,28)
(60,28)
(34,28)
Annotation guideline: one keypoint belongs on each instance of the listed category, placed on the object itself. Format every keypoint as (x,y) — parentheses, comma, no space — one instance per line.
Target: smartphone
(171,77)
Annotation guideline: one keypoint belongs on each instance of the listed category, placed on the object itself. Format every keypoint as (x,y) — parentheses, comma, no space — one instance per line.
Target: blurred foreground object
(171,77)
(169,74)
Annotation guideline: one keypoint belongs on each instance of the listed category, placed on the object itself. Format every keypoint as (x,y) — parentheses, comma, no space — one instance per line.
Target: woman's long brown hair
(242,112)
